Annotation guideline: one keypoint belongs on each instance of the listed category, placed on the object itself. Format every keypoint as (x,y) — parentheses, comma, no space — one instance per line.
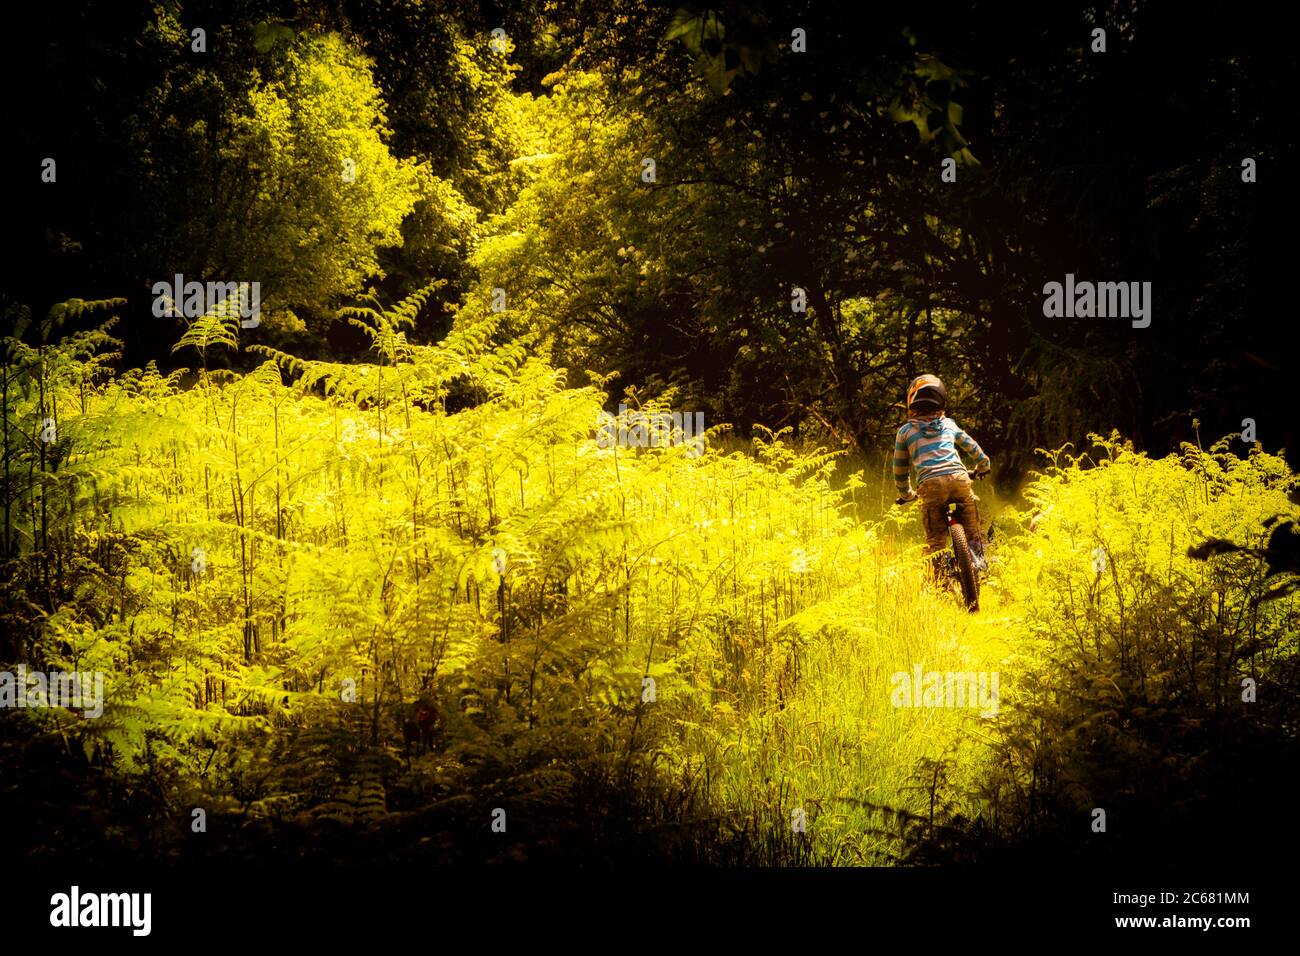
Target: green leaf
(263,39)
(267,35)
(684,23)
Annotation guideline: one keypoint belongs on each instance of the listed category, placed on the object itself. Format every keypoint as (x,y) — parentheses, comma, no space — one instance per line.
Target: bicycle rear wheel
(970,584)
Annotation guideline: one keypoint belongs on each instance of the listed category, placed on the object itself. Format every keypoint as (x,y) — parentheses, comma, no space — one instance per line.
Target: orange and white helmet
(926,388)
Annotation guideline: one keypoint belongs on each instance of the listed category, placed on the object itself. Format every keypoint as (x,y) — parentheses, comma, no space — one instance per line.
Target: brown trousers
(935,494)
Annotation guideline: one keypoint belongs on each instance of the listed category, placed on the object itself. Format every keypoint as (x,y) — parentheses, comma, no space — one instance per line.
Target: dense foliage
(273,569)
(365,572)
(504,149)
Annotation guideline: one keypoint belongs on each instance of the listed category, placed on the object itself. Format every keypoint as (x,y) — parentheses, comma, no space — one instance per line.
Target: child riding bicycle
(929,442)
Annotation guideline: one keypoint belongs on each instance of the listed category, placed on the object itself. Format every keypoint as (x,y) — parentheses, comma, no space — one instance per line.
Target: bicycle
(963,565)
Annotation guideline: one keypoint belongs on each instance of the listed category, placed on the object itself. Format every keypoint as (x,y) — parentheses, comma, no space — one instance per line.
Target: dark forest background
(820,170)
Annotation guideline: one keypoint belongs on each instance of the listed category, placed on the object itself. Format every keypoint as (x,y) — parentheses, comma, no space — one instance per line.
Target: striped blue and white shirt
(930,445)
